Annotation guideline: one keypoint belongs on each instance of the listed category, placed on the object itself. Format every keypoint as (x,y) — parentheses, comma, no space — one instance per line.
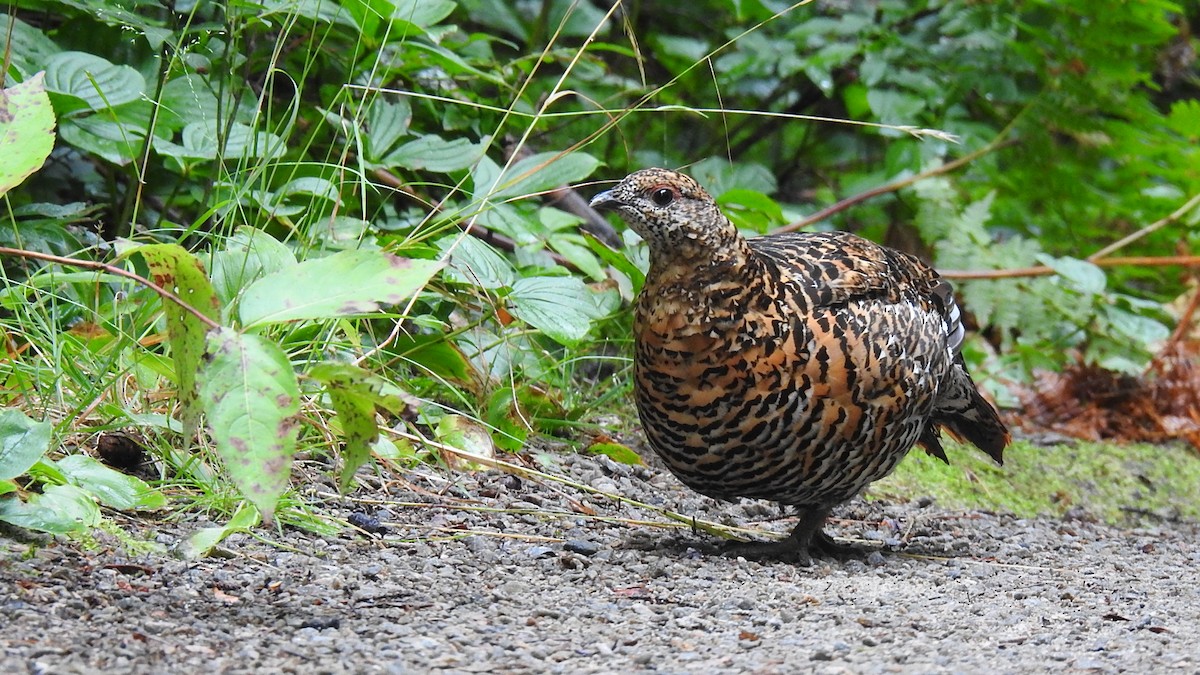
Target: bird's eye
(662,196)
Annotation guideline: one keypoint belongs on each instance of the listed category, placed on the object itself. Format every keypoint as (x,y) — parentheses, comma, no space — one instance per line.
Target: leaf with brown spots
(344,284)
(355,393)
(251,397)
(180,272)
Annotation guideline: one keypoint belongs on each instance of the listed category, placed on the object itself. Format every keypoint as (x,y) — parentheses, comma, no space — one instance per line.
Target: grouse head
(672,213)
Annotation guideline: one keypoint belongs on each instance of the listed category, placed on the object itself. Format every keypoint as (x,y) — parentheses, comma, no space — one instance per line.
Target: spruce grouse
(798,367)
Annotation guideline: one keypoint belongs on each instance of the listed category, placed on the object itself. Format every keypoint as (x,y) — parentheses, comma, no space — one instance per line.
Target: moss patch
(1119,484)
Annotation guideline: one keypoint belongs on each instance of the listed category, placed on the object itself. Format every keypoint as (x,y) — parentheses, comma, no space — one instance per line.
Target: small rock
(581,546)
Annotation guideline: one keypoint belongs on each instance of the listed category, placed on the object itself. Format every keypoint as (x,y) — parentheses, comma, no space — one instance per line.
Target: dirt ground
(488,572)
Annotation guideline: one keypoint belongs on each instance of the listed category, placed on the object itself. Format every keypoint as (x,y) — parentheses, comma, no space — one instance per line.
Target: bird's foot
(792,549)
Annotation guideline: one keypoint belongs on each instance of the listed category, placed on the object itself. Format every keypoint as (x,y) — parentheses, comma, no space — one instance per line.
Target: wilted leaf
(176,270)
(355,393)
(467,436)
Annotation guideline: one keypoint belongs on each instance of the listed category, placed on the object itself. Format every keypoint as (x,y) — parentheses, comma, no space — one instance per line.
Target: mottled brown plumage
(797,368)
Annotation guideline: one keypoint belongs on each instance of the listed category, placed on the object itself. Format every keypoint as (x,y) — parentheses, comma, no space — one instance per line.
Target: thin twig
(1156,225)
(897,185)
(112,269)
(1044,271)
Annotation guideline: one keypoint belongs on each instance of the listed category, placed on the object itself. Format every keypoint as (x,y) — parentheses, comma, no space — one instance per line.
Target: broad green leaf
(91,81)
(573,248)
(7,486)
(511,429)
(111,487)
(618,260)
(423,13)
(616,452)
(561,307)
(348,283)
(178,271)
(473,262)
(248,256)
(387,123)
(188,98)
(250,394)
(895,107)
(22,442)
(544,171)
(1086,277)
(438,356)
(115,142)
(28,47)
(206,139)
(26,131)
(205,540)
(354,392)
(1143,330)
(59,509)
(433,153)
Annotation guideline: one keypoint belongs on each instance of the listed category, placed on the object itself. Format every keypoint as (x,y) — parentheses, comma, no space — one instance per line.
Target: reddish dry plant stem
(1043,271)
(112,269)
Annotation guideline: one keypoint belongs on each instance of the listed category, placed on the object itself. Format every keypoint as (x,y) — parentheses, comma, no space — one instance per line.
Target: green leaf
(26,131)
(22,442)
(616,452)
(618,260)
(1086,277)
(542,172)
(87,81)
(895,107)
(433,153)
(176,270)
(111,487)
(205,540)
(561,307)
(251,397)
(248,256)
(115,142)
(437,356)
(355,393)
(59,509)
(465,435)
(349,283)
(474,262)
(387,123)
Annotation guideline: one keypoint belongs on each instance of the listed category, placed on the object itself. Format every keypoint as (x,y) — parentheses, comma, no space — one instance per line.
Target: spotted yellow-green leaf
(349,283)
(180,272)
(356,393)
(249,392)
(26,131)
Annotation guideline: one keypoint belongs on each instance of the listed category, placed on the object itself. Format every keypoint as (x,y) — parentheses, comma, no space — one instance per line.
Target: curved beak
(605,201)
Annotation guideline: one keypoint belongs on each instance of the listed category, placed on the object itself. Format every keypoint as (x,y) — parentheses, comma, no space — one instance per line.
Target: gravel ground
(564,590)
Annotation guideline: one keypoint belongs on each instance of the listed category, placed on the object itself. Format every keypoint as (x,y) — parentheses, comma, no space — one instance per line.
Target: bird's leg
(807,539)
